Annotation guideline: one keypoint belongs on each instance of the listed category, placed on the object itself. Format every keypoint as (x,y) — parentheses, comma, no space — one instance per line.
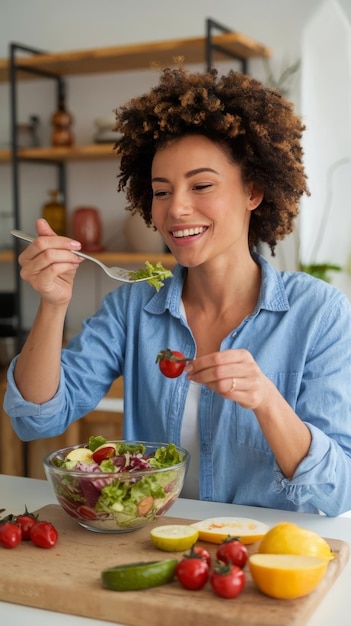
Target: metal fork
(117,273)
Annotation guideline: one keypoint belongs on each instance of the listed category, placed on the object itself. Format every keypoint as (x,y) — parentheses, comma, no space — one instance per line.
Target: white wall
(76,24)
(326,103)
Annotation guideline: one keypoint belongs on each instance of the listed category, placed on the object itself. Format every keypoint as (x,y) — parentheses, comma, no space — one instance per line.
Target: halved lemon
(286,576)
(174,537)
(289,538)
(133,576)
(217,529)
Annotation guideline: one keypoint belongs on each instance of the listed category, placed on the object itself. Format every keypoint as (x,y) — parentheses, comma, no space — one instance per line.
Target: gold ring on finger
(233,387)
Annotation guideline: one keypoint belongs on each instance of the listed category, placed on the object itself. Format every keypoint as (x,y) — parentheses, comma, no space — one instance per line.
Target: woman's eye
(200,186)
(159,193)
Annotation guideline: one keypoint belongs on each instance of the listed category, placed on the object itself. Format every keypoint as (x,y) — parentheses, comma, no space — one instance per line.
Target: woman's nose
(180,205)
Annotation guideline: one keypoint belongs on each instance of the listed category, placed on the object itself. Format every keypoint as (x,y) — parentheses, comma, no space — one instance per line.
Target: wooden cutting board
(66,579)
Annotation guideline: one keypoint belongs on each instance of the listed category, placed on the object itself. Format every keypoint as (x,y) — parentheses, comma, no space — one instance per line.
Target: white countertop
(16,492)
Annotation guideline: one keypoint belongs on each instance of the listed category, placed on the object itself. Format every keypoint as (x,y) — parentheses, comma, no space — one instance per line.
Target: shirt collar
(272,296)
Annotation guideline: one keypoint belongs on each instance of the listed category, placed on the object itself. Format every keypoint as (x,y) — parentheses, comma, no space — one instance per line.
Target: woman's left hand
(233,374)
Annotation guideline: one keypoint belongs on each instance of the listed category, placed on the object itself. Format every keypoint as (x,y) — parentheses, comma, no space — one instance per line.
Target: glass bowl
(111,498)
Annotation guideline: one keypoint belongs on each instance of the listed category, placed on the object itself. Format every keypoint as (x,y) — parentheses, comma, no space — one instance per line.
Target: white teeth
(188,231)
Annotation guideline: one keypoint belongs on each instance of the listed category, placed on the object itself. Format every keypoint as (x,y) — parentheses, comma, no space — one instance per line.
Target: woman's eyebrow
(159,179)
(199,170)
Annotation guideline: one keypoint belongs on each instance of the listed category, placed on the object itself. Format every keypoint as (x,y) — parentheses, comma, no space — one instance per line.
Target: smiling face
(200,205)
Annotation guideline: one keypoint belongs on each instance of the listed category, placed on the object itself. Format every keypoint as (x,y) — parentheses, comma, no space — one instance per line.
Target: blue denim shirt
(300,336)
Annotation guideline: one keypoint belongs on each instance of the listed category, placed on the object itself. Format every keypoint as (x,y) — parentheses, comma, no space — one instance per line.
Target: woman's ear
(255,196)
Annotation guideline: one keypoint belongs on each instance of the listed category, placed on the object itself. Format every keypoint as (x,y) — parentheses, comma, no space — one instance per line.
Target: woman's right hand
(49,266)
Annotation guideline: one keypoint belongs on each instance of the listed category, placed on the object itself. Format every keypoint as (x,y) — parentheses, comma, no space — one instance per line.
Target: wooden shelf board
(73,153)
(135,56)
(117,258)
(6,255)
(5,155)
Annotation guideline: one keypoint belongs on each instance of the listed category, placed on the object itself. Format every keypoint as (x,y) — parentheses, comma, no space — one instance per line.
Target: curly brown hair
(256,124)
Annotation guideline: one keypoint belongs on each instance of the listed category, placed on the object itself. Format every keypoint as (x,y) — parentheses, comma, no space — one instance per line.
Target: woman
(215,165)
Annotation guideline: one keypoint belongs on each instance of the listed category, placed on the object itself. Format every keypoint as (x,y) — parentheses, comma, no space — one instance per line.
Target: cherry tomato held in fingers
(10,534)
(44,534)
(192,572)
(171,363)
(227,580)
(232,550)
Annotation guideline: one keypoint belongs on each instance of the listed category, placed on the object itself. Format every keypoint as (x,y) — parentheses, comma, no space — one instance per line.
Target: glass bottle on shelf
(54,212)
(62,122)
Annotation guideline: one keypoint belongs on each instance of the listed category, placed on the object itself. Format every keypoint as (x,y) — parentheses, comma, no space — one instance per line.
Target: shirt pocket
(248,431)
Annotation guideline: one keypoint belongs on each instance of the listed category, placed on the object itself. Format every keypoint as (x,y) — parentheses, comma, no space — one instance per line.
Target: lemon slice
(286,576)
(175,537)
(216,529)
(135,576)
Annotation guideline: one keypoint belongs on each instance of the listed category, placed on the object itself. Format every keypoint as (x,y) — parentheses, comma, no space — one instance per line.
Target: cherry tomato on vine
(227,580)
(232,550)
(171,363)
(26,521)
(44,534)
(192,571)
(203,554)
(10,534)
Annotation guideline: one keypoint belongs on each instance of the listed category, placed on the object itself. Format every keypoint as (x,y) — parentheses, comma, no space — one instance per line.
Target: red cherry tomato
(10,534)
(44,534)
(104,452)
(233,551)
(192,572)
(227,580)
(26,521)
(171,363)
(203,554)
(86,512)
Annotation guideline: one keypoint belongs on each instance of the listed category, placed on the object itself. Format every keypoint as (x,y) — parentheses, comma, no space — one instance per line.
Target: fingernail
(75,244)
(188,368)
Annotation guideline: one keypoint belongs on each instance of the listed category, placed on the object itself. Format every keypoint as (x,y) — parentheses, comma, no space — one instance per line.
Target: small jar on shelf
(54,212)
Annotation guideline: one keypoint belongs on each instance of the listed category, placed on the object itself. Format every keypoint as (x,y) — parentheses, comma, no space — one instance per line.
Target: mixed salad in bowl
(117,486)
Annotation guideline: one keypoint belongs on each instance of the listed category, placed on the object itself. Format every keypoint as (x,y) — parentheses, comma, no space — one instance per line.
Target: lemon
(288,538)
(217,529)
(286,576)
(84,455)
(175,537)
(135,576)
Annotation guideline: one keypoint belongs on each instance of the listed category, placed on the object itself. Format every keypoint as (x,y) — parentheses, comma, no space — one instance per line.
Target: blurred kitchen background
(310,41)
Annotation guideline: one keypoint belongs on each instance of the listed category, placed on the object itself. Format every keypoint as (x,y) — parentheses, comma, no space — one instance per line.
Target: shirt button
(234,334)
(204,447)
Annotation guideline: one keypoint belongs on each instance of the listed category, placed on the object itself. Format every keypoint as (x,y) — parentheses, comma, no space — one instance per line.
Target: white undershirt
(189,437)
